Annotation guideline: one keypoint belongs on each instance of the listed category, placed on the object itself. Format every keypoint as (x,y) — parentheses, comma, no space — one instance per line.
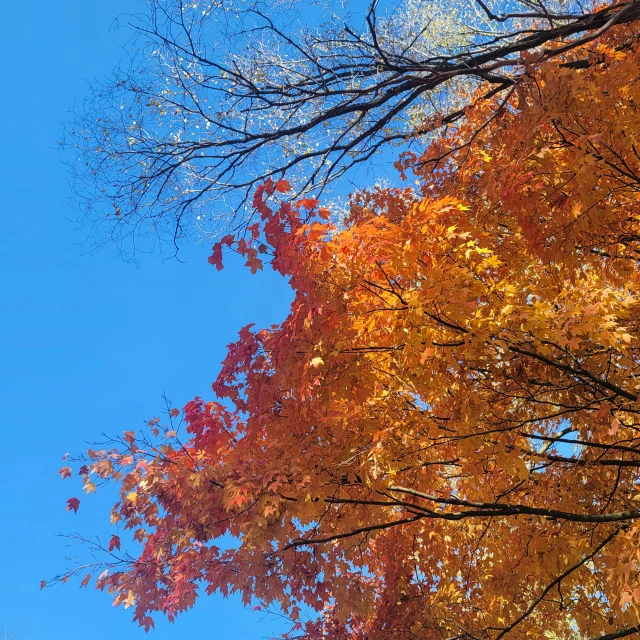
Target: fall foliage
(441,439)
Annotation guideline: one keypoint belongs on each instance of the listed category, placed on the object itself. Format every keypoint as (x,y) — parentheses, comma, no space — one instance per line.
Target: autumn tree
(221,95)
(442,439)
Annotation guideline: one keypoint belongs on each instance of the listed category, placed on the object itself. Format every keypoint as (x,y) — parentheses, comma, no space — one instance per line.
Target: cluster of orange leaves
(442,438)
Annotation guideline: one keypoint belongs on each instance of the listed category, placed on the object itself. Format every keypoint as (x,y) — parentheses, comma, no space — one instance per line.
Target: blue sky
(88,343)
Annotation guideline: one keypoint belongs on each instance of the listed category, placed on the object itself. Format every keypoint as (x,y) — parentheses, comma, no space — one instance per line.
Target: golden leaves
(475,344)
(89,487)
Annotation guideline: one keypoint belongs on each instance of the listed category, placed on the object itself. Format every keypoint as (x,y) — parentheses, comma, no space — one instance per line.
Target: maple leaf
(114,543)
(148,623)
(73,503)
(65,472)
(283,186)
(143,621)
(254,264)
(427,353)
(174,413)
(215,258)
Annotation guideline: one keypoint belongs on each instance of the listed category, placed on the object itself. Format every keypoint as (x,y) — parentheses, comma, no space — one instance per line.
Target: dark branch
(179,140)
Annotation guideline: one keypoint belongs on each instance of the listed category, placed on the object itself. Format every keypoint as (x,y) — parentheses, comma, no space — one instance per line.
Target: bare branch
(218,98)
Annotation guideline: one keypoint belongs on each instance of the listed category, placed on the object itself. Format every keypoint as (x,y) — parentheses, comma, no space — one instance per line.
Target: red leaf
(215,258)
(254,264)
(228,240)
(269,186)
(259,203)
(85,580)
(43,584)
(174,412)
(254,229)
(73,503)
(114,543)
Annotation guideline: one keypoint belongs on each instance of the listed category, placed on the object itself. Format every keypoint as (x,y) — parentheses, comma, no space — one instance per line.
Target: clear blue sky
(88,343)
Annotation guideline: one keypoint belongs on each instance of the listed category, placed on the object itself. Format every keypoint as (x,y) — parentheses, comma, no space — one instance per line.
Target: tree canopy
(219,96)
(442,439)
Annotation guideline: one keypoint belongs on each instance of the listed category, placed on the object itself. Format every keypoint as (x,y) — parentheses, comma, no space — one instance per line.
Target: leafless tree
(220,95)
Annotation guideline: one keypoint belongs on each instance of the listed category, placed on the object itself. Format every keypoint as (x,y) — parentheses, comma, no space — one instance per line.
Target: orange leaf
(615,425)
(283,186)
(308,203)
(65,472)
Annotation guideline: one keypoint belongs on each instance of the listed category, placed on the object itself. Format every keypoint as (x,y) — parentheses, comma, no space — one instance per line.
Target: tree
(221,96)
(442,438)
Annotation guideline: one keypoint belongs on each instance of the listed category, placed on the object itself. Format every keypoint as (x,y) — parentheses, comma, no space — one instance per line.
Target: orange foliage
(441,440)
